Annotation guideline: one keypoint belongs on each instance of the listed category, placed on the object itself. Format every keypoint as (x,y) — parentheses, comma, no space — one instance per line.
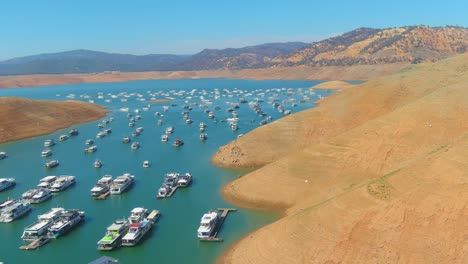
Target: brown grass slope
(332,85)
(23,118)
(388,187)
(379,46)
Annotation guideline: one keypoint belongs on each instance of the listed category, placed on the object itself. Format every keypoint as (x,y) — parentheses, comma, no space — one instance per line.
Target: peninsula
(24,118)
(375,173)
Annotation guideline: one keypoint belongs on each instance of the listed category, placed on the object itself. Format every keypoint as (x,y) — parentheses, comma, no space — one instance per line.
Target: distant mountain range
(361,46)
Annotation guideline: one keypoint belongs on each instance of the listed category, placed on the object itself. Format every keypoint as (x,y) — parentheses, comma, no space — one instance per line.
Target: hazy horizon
(153,27)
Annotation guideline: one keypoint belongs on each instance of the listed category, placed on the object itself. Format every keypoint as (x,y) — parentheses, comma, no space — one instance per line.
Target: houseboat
(122,183)
(114,233)
(66,222)
(6,183)
(207,224)
(62,183)
(102,186)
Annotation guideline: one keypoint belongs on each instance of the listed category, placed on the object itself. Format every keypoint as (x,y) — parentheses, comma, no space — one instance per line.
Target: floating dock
(153,216)
(170,193)
(224,214)
(36,243)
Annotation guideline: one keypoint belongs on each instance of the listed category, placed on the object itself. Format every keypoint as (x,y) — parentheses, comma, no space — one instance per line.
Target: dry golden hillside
(379,46)
(375,176)
(332,85)
(23,118)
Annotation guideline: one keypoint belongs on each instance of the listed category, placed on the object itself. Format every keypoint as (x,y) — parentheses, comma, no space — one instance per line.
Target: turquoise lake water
(173,239)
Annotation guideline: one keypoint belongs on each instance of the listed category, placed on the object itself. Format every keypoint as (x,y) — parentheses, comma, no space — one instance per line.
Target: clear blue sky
(186,27)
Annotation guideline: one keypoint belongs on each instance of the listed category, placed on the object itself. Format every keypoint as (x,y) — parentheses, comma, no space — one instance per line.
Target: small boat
(73,132)
(122,183)
(184,180)
(203,136)
(40,196)
(139,129)
(126,139)
(160,122)
(211,115)
(188,121)
(146,164)
(169,130)
(62,183)
(164,138)
(14,211)
(202,125)
(131,124)
(6,183)
(107,131)
(89,142)
(101,135)
(207,224)
(3,155)
(135,134)
(178,142)
(135,145)
(47,181)
(49,143)
(234,127)
(40,228)
(63,137)
(114,233)
(90,149)
(66,221)
(52,164)
(164,191)
(102,186)
(97,164)
(46,153)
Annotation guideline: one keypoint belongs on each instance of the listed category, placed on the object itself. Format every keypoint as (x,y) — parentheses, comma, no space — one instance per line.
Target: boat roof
(37,226)
(208,217)
(14,206)
(7,180)
(6,203)
(138,210)
(48,178)
(50,214)
(69,213)
(115,226)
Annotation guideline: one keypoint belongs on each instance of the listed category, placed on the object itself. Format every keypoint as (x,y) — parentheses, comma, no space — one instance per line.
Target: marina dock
(153,216)
(172,191)
(36,243)
(224,214)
